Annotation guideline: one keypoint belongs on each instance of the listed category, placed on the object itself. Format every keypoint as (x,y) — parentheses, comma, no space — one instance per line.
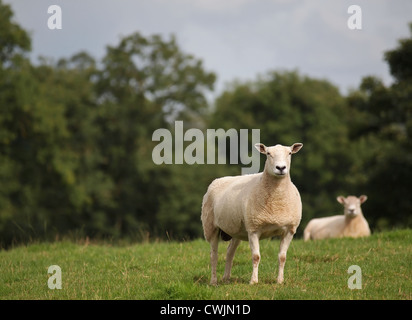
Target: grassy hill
(180,270)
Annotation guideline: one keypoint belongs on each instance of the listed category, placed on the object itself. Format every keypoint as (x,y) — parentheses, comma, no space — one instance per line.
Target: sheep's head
(278,158)
(352,204)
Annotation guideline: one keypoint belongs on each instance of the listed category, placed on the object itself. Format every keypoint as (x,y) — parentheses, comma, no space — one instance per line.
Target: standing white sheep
(253,207)
(351,224)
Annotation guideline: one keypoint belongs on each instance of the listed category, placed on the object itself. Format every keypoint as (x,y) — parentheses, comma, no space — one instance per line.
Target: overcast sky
(237,39)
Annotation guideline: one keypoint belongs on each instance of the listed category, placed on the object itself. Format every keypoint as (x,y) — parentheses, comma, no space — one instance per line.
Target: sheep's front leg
(284,245)
(254,247)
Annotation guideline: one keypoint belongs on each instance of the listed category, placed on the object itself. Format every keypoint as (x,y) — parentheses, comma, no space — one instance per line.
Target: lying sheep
(351,224)
(253,207)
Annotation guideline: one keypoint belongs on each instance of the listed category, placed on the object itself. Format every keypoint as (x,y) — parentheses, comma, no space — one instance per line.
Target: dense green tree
(47,178)
(380,125)
(144,85)
(15,89)
(13,39)
(76,147)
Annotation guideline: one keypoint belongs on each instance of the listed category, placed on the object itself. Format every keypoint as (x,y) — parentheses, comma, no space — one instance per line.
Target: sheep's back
(327,227)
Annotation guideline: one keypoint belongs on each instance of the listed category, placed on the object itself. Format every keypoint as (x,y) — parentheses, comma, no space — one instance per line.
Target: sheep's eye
(269,154)
(290,153)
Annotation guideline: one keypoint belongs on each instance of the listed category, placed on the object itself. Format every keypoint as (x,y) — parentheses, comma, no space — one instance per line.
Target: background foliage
(76,139)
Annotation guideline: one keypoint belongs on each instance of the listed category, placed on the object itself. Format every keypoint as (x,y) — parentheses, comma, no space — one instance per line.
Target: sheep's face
(278,158)
(352,204)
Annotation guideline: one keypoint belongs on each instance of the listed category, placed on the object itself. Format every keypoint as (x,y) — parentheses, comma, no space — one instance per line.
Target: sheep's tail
(207,217)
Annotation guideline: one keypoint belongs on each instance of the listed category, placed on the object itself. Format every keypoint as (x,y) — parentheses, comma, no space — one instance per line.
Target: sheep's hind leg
(231,249)
(214,243)
(254,247)
(284,245)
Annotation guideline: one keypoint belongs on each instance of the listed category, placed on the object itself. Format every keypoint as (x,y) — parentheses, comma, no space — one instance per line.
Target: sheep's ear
(296,147)
(341,199)
(363,198)
(261,148)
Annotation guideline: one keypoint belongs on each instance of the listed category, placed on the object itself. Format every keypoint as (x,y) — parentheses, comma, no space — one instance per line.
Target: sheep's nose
(281,168)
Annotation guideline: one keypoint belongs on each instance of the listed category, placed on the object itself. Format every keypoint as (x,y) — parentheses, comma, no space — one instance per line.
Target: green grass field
(180,270)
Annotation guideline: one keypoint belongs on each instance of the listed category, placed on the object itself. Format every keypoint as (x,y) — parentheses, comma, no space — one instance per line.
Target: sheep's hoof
(226,279)
(280,280)
(213,283)
(253,281)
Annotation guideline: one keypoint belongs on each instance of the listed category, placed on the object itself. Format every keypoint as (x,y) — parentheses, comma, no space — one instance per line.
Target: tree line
(76,139)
